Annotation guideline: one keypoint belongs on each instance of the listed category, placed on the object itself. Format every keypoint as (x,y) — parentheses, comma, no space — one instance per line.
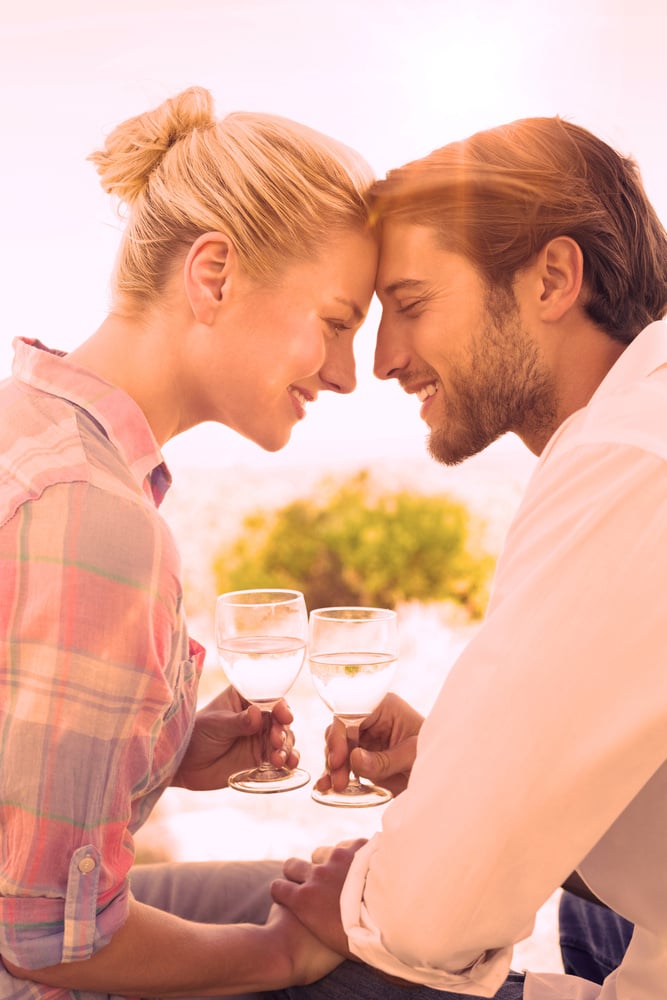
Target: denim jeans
(593,939)
(352,981)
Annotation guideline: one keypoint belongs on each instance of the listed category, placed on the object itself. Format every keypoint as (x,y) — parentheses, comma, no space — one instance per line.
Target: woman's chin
(273,440)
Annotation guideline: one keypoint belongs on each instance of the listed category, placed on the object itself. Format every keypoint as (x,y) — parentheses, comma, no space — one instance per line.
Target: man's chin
(447,451)
(444,452)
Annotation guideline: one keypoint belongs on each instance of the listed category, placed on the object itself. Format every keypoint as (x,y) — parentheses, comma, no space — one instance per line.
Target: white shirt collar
(646,353)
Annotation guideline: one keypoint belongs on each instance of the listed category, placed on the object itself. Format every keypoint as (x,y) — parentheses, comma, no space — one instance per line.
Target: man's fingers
(323,783)
(321,854)
(336,745)
(297,869)
(380,764)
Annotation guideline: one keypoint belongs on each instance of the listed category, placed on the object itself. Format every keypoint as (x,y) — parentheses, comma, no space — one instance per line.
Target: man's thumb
(383,764)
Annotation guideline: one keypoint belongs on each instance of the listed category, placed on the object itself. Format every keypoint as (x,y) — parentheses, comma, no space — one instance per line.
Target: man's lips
(423,390)
(426,391)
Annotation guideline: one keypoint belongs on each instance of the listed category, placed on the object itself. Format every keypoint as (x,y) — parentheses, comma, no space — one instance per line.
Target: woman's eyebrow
(356,310)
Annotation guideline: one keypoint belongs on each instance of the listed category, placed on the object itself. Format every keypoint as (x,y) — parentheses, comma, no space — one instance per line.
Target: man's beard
(504,387)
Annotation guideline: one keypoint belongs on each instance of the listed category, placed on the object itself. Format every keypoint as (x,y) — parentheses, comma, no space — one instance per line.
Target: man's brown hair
(499,196)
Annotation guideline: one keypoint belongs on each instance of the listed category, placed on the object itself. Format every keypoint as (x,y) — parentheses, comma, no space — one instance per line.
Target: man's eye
(409,307)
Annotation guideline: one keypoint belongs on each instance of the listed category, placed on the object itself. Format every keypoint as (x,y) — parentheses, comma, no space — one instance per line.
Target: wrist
(272,958)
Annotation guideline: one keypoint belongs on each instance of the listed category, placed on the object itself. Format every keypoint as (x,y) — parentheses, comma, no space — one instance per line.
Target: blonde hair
(278,188)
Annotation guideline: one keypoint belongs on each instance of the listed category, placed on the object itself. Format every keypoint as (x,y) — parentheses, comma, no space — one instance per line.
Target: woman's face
(278,347)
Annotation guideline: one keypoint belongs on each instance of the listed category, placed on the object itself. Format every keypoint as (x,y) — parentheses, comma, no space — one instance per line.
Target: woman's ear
(207,274)
(560,265)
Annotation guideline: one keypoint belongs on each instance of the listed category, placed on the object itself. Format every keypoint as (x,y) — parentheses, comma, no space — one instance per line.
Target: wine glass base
(354,796)
(266,781)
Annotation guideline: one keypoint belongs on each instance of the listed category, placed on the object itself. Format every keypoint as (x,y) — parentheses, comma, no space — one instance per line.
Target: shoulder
(47,441)
(67,497)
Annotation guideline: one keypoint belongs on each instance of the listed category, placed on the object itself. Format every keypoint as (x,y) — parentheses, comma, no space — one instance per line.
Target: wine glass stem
(265,740)
(352,734)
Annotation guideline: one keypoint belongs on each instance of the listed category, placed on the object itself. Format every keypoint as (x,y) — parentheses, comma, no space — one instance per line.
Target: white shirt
(545,750)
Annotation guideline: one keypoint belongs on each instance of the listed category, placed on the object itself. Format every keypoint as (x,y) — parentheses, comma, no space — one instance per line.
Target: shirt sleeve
(97,693)
(511,787)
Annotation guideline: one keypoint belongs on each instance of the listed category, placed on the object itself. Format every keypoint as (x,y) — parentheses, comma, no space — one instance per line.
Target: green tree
(361,547)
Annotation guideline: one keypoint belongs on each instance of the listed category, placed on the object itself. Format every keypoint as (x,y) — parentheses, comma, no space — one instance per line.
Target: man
(523,276)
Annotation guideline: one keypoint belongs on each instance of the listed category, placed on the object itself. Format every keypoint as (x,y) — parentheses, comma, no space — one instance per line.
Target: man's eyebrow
(357,312)
(402,284)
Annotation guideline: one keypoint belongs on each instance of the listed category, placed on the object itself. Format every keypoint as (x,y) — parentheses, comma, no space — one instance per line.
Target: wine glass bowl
(352,655)
(261,641)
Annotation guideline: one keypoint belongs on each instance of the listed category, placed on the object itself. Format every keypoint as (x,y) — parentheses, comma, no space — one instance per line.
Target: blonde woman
(245,269)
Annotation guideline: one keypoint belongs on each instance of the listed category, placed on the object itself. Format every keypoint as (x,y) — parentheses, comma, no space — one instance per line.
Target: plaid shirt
(98,678)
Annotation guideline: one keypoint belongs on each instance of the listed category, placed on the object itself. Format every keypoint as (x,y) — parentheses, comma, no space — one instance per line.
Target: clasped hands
(311,890)
(227,736)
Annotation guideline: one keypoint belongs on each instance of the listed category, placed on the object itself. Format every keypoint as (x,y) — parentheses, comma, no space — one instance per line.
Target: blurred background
(395,79)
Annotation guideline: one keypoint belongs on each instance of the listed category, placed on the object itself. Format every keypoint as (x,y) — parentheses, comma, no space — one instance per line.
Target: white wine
(352,684)
(262,668)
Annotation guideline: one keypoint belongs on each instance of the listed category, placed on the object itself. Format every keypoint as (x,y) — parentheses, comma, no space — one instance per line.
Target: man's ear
(560,266)
(207,274)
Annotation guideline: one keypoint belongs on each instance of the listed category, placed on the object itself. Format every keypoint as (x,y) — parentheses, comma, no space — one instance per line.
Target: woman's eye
(337,326)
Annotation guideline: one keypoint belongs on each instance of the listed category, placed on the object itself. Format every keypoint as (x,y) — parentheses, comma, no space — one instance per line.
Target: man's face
(460,346)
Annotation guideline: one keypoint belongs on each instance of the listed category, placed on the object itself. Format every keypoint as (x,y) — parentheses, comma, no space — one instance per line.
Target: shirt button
(86,865)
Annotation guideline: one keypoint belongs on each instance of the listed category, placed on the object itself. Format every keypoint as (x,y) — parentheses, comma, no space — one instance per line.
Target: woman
(245,269)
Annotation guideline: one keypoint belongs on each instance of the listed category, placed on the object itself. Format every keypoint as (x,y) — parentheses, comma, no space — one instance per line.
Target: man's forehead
(407,252)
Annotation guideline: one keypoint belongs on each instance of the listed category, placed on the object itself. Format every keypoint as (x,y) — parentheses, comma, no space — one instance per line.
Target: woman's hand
(227,737)
(308,958)
(386,752)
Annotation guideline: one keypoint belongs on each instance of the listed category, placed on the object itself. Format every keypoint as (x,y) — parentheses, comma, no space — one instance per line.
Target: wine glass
(261,639)
(352,654)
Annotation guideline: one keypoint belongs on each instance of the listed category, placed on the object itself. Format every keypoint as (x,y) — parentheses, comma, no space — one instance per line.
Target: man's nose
(391,351)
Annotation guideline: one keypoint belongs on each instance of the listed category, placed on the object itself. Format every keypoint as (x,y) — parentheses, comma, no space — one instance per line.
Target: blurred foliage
(359,546)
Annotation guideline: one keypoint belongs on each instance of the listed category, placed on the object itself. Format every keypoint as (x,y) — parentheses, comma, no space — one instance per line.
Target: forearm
(156,954)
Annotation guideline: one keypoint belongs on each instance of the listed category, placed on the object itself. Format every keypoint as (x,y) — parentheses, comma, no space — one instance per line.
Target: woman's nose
(338,373)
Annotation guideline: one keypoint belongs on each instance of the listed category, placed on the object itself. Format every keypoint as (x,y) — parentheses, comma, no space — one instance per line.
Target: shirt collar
(120,417)
(643,355)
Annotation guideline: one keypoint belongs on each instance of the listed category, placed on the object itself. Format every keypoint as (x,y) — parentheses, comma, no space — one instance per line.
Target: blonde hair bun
(276,188)
(135,148)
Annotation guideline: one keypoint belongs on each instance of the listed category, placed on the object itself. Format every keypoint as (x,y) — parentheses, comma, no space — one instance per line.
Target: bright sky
(394,78)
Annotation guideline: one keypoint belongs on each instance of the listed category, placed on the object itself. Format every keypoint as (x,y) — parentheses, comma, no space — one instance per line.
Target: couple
(523,277)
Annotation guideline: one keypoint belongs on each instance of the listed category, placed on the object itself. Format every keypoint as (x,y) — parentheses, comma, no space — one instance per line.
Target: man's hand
(387,748)
(311,891)
(228,736)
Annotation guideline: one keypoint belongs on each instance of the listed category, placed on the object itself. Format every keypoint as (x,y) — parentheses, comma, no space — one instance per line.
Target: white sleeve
(540,737)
